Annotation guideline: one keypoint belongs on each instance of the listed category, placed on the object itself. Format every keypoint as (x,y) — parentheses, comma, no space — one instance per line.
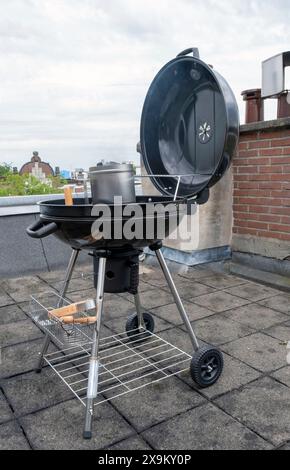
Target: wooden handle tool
(80,321)
(68,196)
(71,309)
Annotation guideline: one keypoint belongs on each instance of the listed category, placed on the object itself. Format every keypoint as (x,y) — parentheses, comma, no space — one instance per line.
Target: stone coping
(274,124)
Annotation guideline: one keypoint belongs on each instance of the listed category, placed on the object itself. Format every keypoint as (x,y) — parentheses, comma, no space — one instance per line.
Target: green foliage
(5,169)
(17,185)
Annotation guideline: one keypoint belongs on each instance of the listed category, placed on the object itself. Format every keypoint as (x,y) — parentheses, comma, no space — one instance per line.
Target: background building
(41,170)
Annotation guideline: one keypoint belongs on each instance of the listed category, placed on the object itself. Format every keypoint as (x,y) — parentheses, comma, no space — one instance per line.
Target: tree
(24,185)
(5,169)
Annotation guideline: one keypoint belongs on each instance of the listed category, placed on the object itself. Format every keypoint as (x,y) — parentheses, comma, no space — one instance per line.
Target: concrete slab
(61,426)
(5,410)
(30,392)
(170,313)
(20,358)
(155,298)
(5,300)
(222,281)
(204,428)
(256,316)
(252,291)
(188,290)
(218,330)
(283,375)
(259,351)
(133,443)
(280,302)
(156,402)
(18,332)
(219,301)
(32,283)
(281,332)
(12,437)
(11,314)
(258,405)
(197,274)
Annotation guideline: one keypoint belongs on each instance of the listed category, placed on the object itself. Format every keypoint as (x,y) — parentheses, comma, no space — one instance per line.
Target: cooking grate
(125,364)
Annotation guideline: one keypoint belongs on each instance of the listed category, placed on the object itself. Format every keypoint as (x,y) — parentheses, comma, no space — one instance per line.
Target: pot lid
(189,127)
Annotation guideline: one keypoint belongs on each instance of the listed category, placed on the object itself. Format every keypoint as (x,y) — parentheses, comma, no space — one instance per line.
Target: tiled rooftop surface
(247,409)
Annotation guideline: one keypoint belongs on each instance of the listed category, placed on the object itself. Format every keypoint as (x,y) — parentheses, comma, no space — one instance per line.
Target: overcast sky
(74,73)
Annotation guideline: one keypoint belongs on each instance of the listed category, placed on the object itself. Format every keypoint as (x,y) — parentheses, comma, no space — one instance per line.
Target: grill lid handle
(40,230)
(193,50)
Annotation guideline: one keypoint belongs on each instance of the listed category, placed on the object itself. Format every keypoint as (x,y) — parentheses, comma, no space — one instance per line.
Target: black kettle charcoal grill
(189,132)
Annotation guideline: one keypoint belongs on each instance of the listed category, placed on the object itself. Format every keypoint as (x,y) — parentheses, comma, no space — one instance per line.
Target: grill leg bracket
(92,390)
(68,276)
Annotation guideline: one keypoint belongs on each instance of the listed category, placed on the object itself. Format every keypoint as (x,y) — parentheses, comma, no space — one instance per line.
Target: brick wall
(261,177)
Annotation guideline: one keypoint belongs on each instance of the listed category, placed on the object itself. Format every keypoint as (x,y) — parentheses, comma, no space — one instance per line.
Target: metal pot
(111,180)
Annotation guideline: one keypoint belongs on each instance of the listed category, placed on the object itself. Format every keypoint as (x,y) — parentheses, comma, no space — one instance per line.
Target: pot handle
(40,230)
(193,50)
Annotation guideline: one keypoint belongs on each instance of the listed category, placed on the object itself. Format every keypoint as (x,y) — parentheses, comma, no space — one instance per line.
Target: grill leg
(92,390)
(139,311)
(177,299)
(68,276)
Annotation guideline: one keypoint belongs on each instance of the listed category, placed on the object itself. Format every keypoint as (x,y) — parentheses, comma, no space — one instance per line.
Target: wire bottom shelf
(126,364)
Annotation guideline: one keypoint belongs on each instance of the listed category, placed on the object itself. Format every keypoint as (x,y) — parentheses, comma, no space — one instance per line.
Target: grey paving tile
(5,410)
(259,351)
(13,333)
(25,282)
(252,291)
(31,392)
(171,314)
(281,332)
(61,427)
(280,302)
(154,277)
(256,316)
(260,406)
(283,375)
(155,298)
(219,301)
(24,295)
(12,437)
(5,300)
(197,273)
(222,281)
(204,428)
(133,443)
(10,314)
(157,402)
(20,358)
(218,329)
(285,447)
(234,375)
(179,338)
(52,276)
(74,285)
(187,289)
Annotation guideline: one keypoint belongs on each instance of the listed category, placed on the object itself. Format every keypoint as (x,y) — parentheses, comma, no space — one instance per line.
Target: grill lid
(189,126)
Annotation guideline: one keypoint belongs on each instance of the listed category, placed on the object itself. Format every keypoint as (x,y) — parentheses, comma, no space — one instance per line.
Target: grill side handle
(40,230)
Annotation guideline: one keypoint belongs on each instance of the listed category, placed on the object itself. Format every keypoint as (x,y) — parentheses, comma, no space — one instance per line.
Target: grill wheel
(206,366)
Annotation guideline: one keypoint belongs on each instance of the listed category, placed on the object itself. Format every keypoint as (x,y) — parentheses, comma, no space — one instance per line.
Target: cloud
(74,74)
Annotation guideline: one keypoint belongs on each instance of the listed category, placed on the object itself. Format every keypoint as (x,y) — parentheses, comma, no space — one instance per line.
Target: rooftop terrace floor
(247,409)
